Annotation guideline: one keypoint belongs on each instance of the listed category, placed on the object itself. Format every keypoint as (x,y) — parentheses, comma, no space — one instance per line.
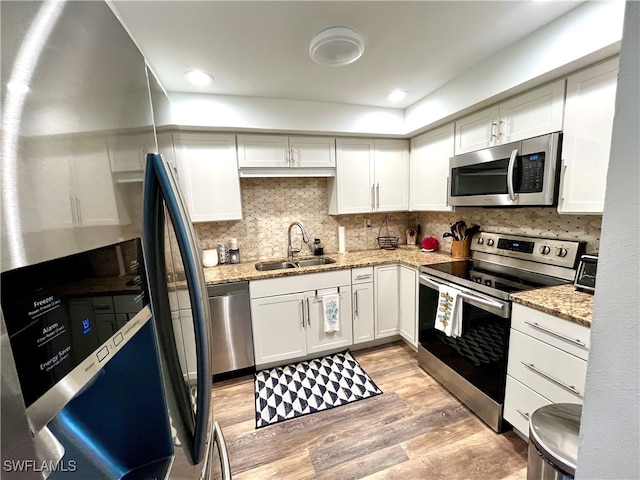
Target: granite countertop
(561,301)
(409,256)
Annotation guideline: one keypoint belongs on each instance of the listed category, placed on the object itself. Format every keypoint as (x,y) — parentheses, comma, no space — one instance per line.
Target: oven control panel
(552,251)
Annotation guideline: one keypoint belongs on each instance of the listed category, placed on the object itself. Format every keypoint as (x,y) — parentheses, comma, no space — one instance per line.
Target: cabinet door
(317,339)
(408,310)
(386,298)
(260,151)
(208,176)
(279,332)
(312,152)
(534,113)
(586,142)
(50,172)
(391,175)
(354,175)
(429,170)
(476,131)
(363,316)
(128,153)
(94,187)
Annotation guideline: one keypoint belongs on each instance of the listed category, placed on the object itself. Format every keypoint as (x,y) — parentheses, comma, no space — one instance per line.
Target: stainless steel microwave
(524,173)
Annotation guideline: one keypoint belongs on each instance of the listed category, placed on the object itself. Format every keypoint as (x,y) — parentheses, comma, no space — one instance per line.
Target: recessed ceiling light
(336,46)
(397,95)
(199,78)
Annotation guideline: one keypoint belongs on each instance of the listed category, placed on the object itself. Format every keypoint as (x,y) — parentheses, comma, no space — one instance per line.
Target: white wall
(269,114)
(589,33)
(610,426)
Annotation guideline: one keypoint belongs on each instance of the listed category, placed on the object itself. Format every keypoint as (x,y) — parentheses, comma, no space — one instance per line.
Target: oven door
(472,366)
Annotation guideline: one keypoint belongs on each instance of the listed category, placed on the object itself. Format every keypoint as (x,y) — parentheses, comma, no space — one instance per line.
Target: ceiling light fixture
(397,95)
(336,46)
(199,78)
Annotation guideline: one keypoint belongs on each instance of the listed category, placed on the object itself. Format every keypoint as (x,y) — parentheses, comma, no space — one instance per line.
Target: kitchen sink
(309,262)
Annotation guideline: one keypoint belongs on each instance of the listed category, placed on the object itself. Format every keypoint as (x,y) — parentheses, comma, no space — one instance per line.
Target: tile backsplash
(270,205)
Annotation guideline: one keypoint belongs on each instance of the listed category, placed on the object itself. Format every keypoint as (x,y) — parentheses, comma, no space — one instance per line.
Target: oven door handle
(466,295)
(512,163)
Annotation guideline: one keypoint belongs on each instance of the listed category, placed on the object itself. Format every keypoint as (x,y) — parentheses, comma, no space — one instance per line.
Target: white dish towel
(449,313)
(331,307)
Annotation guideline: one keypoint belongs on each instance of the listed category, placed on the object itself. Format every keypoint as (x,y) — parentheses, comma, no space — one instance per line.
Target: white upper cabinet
(586,144)
(128,153)
(72,182)
(278,155)
(429,169)
(208,176)
(534,113)
(391,175)
(371,176)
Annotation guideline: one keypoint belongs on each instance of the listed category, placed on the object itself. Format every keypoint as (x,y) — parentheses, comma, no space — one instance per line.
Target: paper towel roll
(341,240)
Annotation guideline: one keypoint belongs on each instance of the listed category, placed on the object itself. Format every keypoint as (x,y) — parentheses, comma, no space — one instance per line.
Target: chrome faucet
(305,238)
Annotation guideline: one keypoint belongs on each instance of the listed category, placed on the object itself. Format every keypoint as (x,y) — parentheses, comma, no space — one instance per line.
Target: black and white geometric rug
(311,386)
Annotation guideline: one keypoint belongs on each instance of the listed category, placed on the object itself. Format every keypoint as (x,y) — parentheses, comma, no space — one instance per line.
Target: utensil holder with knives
(461,248)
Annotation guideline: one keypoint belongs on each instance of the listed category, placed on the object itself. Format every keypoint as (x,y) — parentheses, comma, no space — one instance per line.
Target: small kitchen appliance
(586,275)
(473,366)
(517,174)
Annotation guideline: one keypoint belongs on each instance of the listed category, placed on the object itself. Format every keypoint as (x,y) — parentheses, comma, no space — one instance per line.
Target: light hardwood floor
(415,430)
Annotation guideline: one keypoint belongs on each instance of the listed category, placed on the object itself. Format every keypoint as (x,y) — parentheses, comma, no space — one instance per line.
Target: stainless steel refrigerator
(106,351)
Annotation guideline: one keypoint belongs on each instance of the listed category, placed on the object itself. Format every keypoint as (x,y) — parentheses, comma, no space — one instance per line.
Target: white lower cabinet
(279,330)
(386,281)
(408,311)
(363,304)
(547,364)
(288,315)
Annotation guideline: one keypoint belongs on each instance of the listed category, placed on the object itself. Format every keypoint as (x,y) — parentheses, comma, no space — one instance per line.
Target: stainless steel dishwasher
(231,327)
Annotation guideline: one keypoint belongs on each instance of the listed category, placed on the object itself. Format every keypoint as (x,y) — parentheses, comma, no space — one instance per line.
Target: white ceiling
(261,48)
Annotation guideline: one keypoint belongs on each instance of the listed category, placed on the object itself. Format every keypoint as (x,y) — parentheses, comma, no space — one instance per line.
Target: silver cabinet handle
(512,164)
(308,314)
(575,341)
(492,128)
(356,302)
(378,196)
(500,123)
(363,277)
(525,415)
(373,197)
(302,310)
(286,156)
(571,388)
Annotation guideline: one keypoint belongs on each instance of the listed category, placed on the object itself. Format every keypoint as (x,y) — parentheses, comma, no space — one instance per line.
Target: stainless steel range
(473,366)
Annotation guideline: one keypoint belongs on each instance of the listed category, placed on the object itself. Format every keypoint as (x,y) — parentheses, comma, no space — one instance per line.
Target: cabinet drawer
(552,373)
(361,275)
(565,335)
(519,403)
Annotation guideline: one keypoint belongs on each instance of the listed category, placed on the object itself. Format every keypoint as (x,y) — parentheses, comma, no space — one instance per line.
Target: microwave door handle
(512,163)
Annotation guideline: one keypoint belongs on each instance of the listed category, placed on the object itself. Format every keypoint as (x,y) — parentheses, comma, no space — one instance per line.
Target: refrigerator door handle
(160,192)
